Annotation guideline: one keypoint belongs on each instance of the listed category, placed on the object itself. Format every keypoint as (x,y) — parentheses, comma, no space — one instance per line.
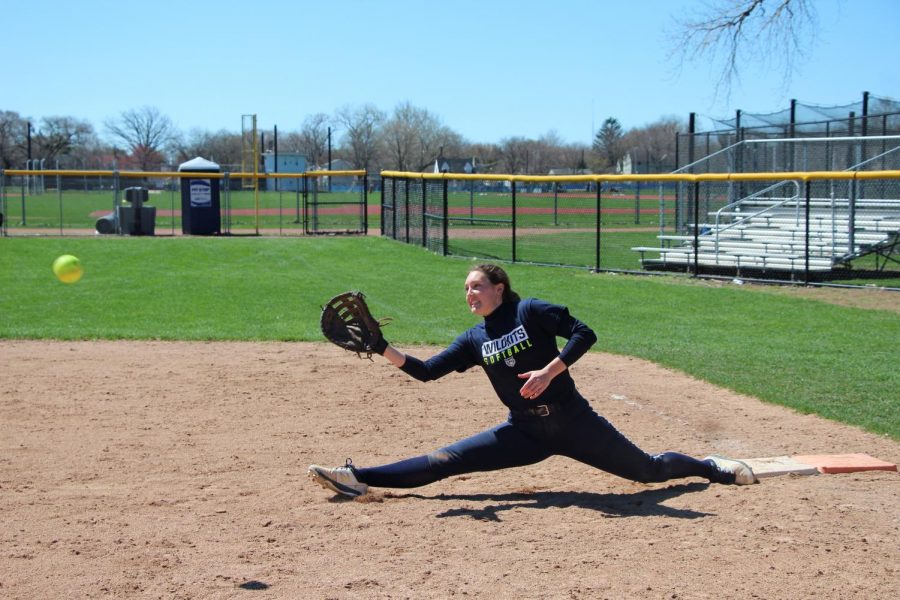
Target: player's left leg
(593,440)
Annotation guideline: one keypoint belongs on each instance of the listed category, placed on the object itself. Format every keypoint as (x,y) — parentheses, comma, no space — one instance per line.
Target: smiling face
(482,296)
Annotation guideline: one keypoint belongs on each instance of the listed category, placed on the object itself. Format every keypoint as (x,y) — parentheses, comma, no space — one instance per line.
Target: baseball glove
(347,322)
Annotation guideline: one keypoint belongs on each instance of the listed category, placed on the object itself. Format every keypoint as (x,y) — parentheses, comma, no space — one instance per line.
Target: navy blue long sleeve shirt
(517,337)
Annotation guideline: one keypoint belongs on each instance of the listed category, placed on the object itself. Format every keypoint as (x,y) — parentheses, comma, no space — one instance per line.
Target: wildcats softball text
(512,343)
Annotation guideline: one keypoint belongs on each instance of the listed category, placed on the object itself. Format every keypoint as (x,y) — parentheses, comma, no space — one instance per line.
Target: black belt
(541,410)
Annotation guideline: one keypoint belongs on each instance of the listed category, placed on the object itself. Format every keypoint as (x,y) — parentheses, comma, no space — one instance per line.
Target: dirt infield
(177,470)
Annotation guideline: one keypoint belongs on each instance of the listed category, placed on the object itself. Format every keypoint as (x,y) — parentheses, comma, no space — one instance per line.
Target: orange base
(845,463)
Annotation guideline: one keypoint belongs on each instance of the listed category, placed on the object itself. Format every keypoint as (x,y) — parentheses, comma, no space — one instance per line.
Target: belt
(541,410)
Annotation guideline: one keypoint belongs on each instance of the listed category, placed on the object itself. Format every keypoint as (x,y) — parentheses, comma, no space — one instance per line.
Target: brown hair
(497,275)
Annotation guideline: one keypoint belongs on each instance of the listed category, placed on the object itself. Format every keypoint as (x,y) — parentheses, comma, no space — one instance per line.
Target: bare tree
(13,131)
(222,147)
(60,136)
(90,154)
(451,142)
(312,140)
(542,153)
(402,134)
(514,155)
(361,128)
(776,31)
(146,132)
(413,137)
(652,147)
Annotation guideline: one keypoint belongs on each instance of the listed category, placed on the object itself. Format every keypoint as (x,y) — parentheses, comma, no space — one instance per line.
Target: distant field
(554,229)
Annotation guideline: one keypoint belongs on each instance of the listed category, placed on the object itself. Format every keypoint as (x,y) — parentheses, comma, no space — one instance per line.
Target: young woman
(516,347)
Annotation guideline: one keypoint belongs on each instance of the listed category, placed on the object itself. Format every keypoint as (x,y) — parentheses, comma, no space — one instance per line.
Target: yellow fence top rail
(689,177)
(179,174)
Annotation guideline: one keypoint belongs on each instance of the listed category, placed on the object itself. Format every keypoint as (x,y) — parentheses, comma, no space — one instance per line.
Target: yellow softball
(68,268)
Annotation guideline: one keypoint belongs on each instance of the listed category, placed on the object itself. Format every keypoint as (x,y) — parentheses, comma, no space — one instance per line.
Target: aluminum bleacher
(772,235)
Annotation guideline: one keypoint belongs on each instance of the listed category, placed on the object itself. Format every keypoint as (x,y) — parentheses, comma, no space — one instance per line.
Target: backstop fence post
(2,204)
(406,208)
(808,186)
(555,203)
(851,215)
(59,195)
(424,210)
(514,220)
(301,182)
(389,208)
(22,190)
(116,200)
(598,227)
(471,201)
(365,204)
(696,194)
(305,199)
(446,227)
(637,201)
(226,183)
(395,183)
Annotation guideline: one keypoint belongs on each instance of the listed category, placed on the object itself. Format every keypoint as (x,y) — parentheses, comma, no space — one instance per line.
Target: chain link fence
(85,203)
(795,226)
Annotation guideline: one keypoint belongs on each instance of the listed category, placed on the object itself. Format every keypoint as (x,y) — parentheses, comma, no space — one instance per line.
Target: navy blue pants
(586,437)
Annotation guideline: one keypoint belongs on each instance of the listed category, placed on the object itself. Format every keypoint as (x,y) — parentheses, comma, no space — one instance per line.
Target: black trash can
(201,212)
(106,224)
(137,219)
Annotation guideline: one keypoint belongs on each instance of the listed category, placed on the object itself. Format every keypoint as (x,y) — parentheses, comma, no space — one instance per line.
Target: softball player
(516,347)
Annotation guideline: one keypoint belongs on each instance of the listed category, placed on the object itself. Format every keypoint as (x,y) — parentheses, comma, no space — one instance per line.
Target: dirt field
(178,470)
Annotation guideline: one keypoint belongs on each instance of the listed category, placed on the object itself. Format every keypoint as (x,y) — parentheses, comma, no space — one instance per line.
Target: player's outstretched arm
(397,358)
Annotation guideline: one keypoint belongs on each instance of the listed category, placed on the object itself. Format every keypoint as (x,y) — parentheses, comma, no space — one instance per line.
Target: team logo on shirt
(505,348)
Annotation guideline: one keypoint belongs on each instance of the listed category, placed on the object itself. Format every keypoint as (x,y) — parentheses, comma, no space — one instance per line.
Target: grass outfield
(815,357)
(545,236)
(81,209)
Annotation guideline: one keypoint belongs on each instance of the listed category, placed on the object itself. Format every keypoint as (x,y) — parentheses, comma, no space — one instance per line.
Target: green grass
(77,209)
(572,248)
(815,357)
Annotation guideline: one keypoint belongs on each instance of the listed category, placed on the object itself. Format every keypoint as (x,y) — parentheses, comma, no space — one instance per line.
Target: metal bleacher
(766,232)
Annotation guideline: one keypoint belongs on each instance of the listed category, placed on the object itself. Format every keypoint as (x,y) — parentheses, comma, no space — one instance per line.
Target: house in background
(569,186)
(443,164)
(288,162)
(337,183)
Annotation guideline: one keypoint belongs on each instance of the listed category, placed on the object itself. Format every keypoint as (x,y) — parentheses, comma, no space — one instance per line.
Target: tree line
(409,138)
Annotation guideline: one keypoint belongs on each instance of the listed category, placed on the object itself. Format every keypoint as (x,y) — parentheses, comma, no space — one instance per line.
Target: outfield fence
(788,225)
(84,202)
(799,226)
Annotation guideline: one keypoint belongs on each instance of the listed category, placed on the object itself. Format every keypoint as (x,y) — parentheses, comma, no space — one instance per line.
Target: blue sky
(487,69)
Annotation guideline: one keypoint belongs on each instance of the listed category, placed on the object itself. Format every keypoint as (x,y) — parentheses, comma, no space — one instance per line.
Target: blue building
(288,162)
